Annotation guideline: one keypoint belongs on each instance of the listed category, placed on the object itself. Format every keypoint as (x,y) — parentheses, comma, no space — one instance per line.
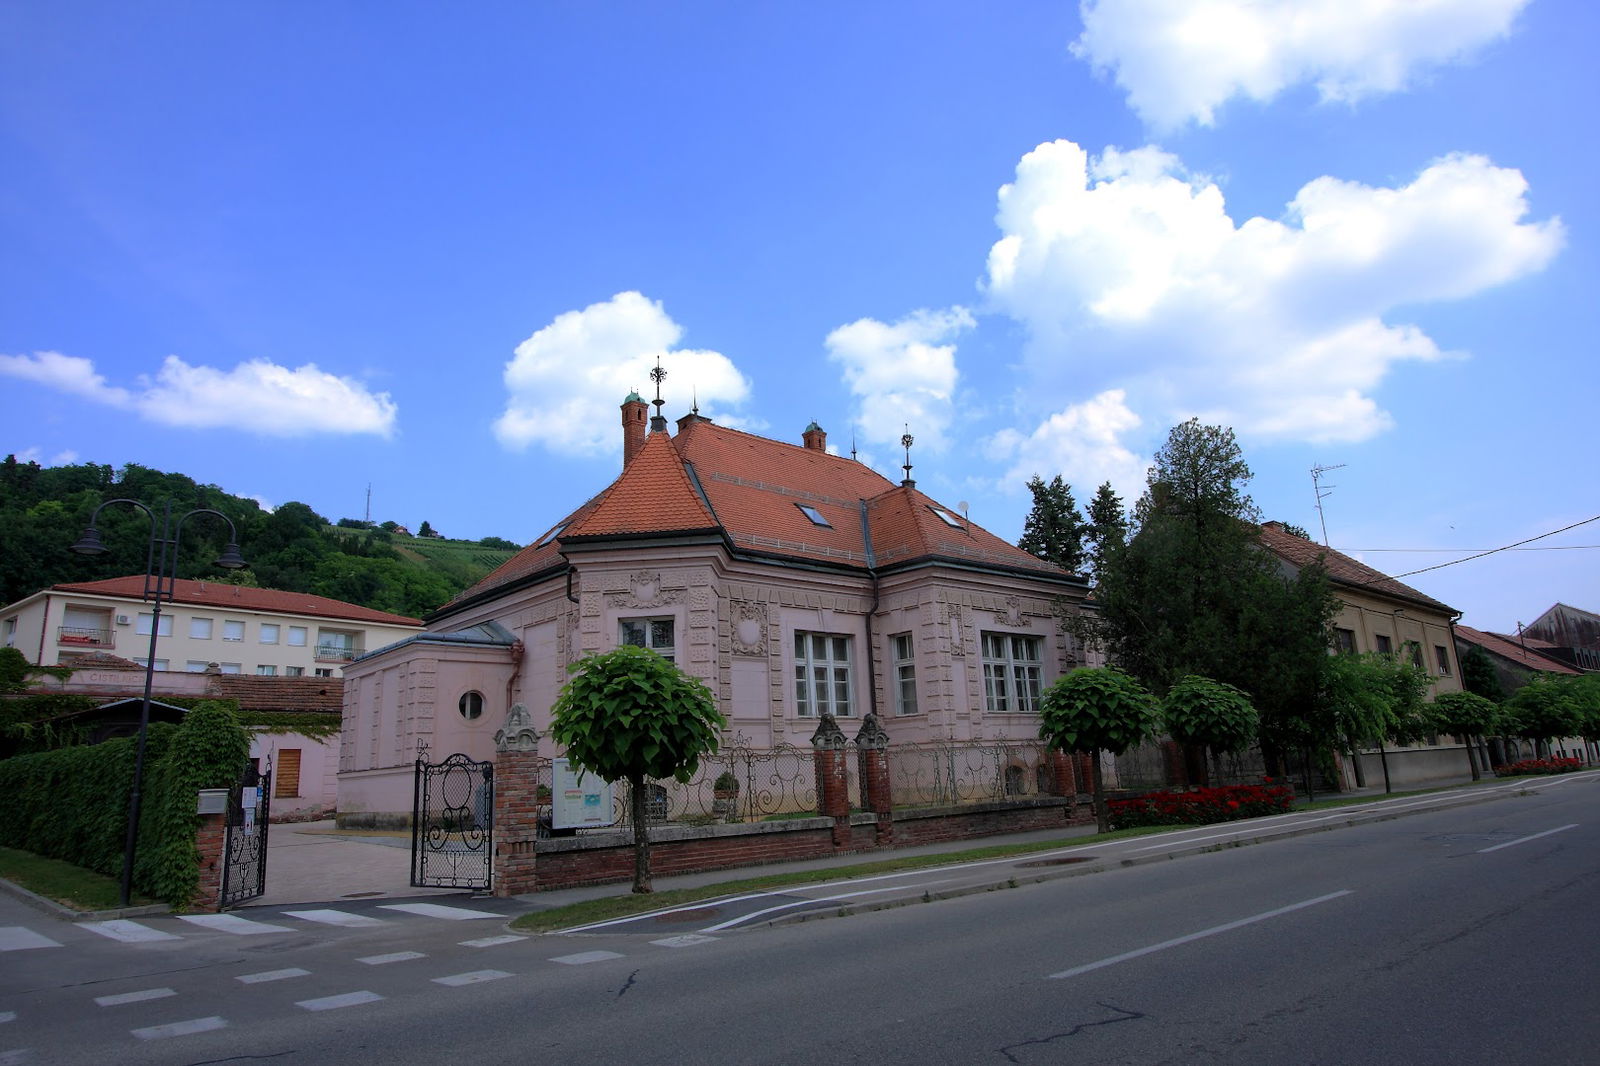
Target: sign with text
(578,800)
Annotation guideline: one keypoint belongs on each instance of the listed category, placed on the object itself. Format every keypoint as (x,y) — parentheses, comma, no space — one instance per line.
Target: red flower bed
(1540,766)
(1201,806)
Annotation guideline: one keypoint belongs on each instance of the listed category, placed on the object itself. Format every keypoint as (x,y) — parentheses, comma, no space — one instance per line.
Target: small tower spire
(906,441)
(658,421)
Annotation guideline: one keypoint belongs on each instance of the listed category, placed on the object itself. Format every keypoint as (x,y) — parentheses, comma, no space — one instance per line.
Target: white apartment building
(262,632)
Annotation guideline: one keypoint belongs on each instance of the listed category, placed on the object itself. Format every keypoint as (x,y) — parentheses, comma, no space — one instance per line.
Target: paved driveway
(313,862)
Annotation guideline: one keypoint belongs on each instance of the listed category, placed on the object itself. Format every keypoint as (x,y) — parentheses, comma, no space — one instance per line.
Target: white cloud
(1179,60)
(1082,443)
(257,396)
(1129,271)
(903,375)
(566,382)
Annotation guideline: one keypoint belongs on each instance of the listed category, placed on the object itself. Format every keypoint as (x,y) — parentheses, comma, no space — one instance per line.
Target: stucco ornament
(828,737)
(518,733)
(750,629)
(871,736)
(645,588)
(1012,614)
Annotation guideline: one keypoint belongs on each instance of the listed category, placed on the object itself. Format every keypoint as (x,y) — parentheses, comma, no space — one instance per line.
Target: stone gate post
(516,804)
(872,750)
(833,778)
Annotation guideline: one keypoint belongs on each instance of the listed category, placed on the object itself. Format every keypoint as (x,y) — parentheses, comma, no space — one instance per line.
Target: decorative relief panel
(750,628)
(1010,614)
(955,624)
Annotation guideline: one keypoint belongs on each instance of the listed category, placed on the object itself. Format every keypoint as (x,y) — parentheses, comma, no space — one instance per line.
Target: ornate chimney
(815,438)
(634,413)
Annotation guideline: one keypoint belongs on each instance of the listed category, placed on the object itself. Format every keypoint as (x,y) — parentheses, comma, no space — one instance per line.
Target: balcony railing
(336,653)
(82,637)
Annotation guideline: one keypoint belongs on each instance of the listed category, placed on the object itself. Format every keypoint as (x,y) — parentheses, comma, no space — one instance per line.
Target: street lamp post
(160,579)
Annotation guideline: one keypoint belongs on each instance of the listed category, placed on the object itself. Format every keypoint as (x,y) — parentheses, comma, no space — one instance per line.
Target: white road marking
(1524,840)
(806,902)
(684,941)
(1202,934)
(271,975)
(15,1057)
(436,910)
(348,999)
(7,1016)
(193,1025)
(134,997)
(585,957)
(492,941)
(127,932)
(334,917)
(19,938)
(232,923)
(473,978)
(394,956)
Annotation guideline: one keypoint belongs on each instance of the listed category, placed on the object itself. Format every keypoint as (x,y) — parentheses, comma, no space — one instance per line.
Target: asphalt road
(1459,935)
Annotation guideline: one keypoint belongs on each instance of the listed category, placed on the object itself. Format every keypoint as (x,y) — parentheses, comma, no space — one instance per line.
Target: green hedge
(72,803)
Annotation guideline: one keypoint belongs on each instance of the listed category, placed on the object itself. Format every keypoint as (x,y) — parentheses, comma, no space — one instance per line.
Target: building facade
(795,583)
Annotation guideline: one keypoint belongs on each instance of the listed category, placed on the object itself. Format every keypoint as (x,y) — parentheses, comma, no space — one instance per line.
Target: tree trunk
(1472,758)
(641,835)
(1102,814)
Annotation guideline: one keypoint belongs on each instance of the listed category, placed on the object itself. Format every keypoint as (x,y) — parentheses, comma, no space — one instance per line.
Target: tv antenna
(1322,494)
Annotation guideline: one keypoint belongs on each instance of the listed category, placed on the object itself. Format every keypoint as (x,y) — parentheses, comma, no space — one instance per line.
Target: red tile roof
(279,693)
(243,598)
(1342,569)
(753,486)
(1509,648)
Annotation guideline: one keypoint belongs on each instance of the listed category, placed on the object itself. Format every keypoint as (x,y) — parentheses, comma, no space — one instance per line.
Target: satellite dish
(963,506)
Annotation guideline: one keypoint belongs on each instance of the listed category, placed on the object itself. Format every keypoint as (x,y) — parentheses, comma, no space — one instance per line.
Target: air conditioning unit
(124,620)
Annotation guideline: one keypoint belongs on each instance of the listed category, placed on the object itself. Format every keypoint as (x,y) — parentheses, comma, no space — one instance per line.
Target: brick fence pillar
(1063,781)
(833,778)
(1176,766)
(872,751)
(518,772)
(211,840)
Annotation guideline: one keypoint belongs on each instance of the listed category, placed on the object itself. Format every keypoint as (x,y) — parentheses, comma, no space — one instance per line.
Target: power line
(1425,551)
(1492,551)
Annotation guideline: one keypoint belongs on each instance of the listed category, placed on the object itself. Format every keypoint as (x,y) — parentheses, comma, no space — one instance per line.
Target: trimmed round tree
(1543,710)
(1212,714)
(1467,715)
(1092,710)
(629,714)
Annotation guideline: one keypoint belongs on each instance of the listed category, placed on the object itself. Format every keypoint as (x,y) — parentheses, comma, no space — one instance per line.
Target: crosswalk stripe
(126,931)
(687,940)
(336,917)
(492,941)
(348,999)
(436,910)
(134,997)
(271,975)
(232,923)
(472,978)
(7,1016)
(586,957)
(397,956)
(193,1025)
(21,938)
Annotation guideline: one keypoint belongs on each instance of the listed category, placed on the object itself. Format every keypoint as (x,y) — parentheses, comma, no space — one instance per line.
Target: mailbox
(213,801)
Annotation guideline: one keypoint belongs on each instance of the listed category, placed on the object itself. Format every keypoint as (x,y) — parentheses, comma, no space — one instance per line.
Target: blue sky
(297,249)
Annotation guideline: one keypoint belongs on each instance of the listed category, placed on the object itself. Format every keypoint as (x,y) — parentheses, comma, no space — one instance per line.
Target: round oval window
(471,705)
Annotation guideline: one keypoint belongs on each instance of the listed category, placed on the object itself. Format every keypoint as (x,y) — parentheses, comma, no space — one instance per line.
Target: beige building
(261,632)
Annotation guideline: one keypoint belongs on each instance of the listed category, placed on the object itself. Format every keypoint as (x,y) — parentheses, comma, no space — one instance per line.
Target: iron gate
(452,817)
(244,865)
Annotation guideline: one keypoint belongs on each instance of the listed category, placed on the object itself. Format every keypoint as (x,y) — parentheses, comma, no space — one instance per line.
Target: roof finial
(658,422)
(853,445)
(694,396)
(906,441)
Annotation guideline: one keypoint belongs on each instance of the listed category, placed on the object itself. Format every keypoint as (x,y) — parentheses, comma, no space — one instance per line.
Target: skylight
(815,515)
(947,518)
(552,535)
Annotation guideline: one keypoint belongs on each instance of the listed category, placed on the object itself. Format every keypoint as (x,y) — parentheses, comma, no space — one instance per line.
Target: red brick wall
(210,840)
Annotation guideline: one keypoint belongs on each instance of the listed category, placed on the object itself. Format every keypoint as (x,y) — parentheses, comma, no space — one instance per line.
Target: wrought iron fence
(954,772)
(740,783)
(1151,766)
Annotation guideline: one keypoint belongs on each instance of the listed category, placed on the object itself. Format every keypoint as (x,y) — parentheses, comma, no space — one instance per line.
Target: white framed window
(822,680)
(11,632)
(294,671)
(657,634)
(297,636)
(323,671)
(194,666)
(161,664)
(231,668)
(232,630)
(266,670)
(1442,655)
(1012,672)
(269,633)
(143,627)
(905,673)
(470,705)
(199,629)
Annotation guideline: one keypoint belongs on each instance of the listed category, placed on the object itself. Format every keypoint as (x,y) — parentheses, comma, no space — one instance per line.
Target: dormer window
(552,535)
(815,515)
(947,518)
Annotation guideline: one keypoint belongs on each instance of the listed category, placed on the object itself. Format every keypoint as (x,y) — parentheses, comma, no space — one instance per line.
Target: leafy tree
(1544,709)
(1212,714)
(500,544)
(1054,529)
(628,715)
(1466,715)
(1479,676)
(1193,592)
(425,530)
(1091,710)
(1372,699)
(1107,528)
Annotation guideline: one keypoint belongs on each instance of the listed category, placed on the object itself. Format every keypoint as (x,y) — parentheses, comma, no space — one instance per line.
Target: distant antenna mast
(1322,494)
(369,503)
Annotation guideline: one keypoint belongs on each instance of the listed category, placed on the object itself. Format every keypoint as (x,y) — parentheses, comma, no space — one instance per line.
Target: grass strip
(626,903)
(69,885)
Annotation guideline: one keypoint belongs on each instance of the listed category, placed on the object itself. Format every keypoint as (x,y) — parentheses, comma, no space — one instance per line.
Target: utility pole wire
(1491,551)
